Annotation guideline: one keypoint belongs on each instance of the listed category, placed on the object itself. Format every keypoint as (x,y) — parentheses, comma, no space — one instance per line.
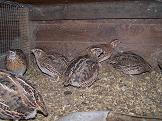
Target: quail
(103,51)
(18,98)
(16,61)
(81,72)
(51,64)
(129,63)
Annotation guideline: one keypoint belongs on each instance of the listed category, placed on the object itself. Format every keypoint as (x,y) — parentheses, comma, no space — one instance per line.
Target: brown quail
(103,51)
(51,64)
(16,61)
(18,99)
(129,63)
(82,72)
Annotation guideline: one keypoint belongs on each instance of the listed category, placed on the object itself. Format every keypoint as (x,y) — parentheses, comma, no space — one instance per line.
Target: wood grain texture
(62,1)
(69,37)
(98,10)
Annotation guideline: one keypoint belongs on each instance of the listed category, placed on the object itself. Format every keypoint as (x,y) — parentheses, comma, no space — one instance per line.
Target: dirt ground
(133,95)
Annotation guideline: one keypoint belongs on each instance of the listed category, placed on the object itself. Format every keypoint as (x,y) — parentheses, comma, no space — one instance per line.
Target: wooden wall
(69,29)
(62,1)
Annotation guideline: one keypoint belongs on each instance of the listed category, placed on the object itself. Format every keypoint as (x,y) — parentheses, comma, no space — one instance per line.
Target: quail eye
(12,53)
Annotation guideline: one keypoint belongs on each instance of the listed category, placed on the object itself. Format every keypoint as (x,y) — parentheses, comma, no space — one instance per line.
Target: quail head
(129,63)
(51,64)
(16,61)
(103,51)
(81,72)
(18,98)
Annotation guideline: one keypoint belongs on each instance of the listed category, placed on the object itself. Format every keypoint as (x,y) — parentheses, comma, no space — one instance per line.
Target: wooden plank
(65,1)
(59,1)
(98,10)
(98,30)
(69,37)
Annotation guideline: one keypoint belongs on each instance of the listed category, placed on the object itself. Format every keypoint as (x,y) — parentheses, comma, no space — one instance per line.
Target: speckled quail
(16,61)
(103,51)
(18,99)
(51,64)
(82,72)
(129,63)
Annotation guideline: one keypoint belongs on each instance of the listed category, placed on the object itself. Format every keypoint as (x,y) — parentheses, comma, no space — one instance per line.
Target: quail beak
(33,50)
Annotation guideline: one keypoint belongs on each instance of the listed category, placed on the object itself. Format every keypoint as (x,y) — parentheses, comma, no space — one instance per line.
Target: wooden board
(98,10)
(62,1)
(69,37)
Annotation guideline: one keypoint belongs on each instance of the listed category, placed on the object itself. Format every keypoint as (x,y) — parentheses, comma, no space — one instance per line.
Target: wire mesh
(14,28)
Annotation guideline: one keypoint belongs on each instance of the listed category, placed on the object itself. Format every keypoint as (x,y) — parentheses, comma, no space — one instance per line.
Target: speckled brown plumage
(52,64)
(18,99)
(130,63)
(102,51)
(82,72)
(16,61)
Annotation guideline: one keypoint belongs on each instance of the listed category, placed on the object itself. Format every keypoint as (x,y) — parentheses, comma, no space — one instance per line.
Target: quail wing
(81,72)
(129,63)
(18,100)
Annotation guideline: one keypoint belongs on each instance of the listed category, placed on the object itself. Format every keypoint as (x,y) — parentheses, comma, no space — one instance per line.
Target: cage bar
(14,28)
